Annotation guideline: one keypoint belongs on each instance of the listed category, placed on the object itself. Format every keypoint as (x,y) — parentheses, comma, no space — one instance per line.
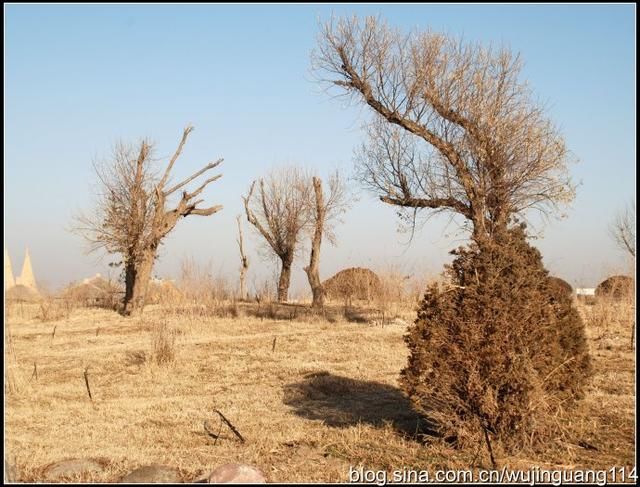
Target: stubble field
(311,397)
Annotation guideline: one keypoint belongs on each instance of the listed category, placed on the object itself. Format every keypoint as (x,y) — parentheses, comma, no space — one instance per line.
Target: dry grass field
(310,396)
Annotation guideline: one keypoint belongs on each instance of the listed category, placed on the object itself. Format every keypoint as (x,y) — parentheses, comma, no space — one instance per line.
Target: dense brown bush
(616,287)
(353,283)
(497,353)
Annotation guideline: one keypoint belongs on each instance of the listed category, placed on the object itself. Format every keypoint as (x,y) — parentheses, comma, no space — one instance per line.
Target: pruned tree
(131,217)
(623,228)
(244,260)
(279,212)
(324,213)
(454,128)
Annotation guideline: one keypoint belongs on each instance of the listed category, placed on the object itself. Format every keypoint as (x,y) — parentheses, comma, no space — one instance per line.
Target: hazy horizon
(79,78)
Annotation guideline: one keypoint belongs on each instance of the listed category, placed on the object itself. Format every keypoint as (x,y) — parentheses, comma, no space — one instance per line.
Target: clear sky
(80,77)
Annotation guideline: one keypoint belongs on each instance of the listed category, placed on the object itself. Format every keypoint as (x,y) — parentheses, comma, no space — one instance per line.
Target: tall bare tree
(244,260)
(279,212)
(131,217)
(324,213)
(465,134)
(623,228)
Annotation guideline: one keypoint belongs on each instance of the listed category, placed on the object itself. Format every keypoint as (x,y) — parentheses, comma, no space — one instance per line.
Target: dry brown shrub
(396,295)
(200,294)
(612,319)
(13,380)
(264,291)
(497,354)
(164,344)
(54,309)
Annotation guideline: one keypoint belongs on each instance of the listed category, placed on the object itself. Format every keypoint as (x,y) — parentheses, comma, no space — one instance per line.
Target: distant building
(585,291)
(26,279)
(9,281)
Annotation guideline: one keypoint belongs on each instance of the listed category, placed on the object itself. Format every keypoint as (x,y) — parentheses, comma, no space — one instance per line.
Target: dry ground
(325,398)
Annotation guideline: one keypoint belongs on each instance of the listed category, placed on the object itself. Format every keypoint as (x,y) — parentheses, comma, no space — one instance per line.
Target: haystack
(162,291)
(561,286)
(616,287)
(93,291)
(22,294)
(354,283)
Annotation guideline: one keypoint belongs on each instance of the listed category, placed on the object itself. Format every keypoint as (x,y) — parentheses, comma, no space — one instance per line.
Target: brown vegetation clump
(20,293)
(354,283)
(164,344)
(96,291)
(560,285)
(162,291)
(498,354)
(616,287)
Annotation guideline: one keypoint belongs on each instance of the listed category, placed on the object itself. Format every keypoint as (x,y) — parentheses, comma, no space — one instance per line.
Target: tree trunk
(285,279)
(244,262)
(312,270)
(129,281)
(243,293)
(137,278)
(316,285)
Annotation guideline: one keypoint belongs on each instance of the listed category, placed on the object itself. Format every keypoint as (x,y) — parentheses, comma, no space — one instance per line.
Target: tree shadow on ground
(341,402)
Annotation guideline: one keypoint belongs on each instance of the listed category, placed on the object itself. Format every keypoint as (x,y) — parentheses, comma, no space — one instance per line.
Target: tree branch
(452,203)
(188,129)
(204,211)
(445,148)
(251,218)
(204,185)
(209,166)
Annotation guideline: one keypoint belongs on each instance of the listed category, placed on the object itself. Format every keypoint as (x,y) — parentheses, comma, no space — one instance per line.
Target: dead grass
(164,343)
(323,397)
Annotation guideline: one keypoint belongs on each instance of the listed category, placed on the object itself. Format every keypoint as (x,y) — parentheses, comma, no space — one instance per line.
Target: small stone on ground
(72,468)
(233,473)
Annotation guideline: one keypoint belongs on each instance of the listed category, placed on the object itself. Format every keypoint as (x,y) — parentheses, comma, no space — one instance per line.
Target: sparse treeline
(131,218)
(498,351)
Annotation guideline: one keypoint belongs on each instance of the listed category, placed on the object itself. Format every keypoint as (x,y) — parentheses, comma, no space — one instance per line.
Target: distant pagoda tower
(26,277)
(9,281)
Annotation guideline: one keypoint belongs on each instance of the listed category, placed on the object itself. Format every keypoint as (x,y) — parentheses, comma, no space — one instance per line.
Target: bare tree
(623,228)
(454,129)
(131,218)
(244,261)
(324,214)
(279,212)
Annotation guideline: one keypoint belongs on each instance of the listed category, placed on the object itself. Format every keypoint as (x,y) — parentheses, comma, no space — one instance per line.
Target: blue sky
(79,78)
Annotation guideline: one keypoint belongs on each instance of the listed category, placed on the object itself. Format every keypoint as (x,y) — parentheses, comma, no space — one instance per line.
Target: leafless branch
(453,129)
